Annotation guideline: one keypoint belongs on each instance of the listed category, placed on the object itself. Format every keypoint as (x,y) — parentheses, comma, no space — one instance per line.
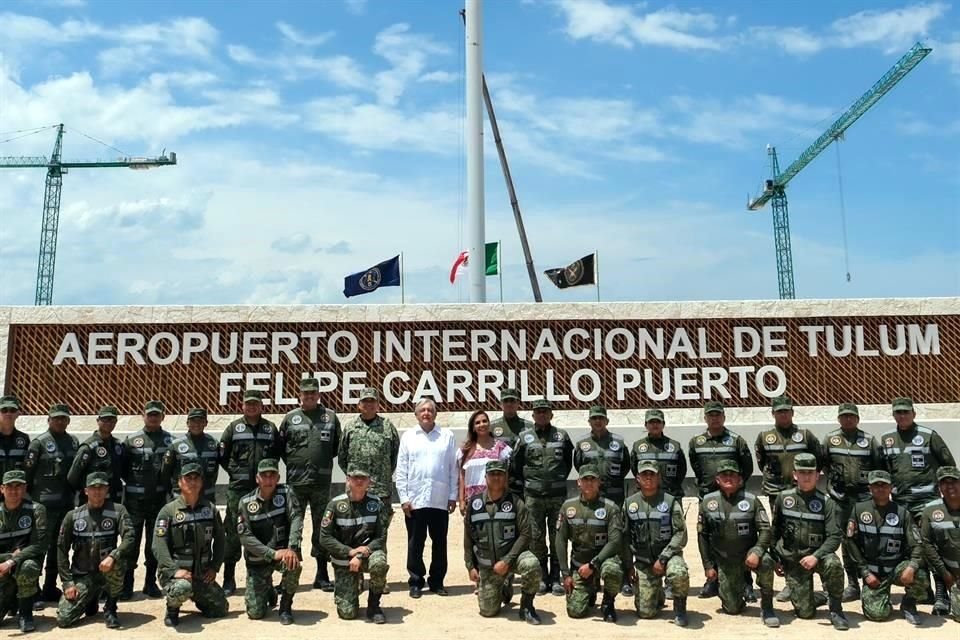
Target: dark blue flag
(385,274)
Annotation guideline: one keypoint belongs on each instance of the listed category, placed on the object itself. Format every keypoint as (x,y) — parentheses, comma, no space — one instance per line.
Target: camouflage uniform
(508,430)
(912,457)
(23,539)
(707,451)
(13,447)
(609,453)
(98,455)
(776,450)
(201,450)
(940,536)
(668,454)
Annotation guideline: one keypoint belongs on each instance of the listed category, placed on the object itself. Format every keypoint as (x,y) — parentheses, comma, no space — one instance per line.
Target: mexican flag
(491,259)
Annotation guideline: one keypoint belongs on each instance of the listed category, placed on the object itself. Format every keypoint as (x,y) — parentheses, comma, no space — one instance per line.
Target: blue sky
(316,139)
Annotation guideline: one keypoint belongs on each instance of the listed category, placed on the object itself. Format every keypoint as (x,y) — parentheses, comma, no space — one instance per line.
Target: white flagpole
(475,205)
(596,271)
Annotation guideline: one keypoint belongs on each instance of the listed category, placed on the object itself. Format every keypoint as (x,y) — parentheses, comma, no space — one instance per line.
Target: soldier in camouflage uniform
(101,452)
(352,533)
(509,426)
(310,437)
(194,446)
(91,531)
(542,461)
(733,533)
(806,534)
(594,526)
(656,534)
(244,443)
(496,534)
(270,528)
(49,458)
(13,442)
(188,542)
(850,455)
(23,541)
(666,452)
(940,535)
(885,544)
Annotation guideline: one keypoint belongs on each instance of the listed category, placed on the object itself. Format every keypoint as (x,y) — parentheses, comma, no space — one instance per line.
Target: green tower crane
(51,201)
(774,188)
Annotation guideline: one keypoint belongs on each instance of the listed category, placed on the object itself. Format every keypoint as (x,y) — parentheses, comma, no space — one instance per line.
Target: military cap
(728,466)
(589,471)
(879,475)
(647,465)
(252,395)
(848,409)
(9,402)
(653,414)
(903,404)
(782,403)
(309,384)
(369,393)
(358,472)
(59,411)
(509,394)
(948,472)
(98,479)
(197,412)
(15,476)
(190,468)
(712,406)
(542,403)
(598,410)
(804,462)
(108,411)
(154,406)
(496,466)
(268,464)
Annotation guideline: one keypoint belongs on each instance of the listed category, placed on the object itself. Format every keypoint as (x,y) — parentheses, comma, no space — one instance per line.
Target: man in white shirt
(426,480)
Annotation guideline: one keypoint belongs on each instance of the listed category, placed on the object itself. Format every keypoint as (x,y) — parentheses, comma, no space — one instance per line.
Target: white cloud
(407,54)
(891,30)
(299,38)
(440,77)
(793,40)
(356,7)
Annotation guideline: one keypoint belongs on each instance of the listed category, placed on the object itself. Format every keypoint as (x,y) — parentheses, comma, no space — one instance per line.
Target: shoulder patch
(585,446)
(743,505)
(279,500)
(770,438)
(789,502)
(892,519)
(703,440)
(477,503)
(669,447)
(663,507)
(863,443)
(712,505)
(506,507)
(866,517)
(815,506)
(297,419)
(633,507)
(343,507)
(614,445)
(253,506)
(797,437)
(600,513)
(937,516)
(836,440)
(571,512)
(529,438)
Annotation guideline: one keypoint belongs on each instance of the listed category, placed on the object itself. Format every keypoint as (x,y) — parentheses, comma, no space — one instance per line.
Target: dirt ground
(456,615)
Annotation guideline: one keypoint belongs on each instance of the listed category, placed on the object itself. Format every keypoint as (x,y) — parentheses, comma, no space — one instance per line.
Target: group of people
(893,506)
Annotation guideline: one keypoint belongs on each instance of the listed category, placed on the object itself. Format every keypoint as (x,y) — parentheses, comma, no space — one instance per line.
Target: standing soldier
(509,426)
(939,527)
(144,494)
(13,442)
(100,452)
(310,436)
(594,526)
(244,443)
(542,461)
(352,533)
(91,531)
(886,545)
(913,453)
(656,535)
(733,534)
(23,541)
(496,534)
(806,536)
(197,447)
(270,527)
(48,460)
(851,454)
(666,452)
(188,543)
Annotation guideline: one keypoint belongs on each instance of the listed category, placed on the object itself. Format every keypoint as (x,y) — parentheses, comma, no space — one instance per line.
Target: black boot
(837,619)
(909,608)
(150,588)
(172,619)
(609,613)
(275,594)
(680,612)
(506,593)
(127,592)
(26,615)
(941,604)
(852,591)
(770,618)
(110,613)
(710,589)
(93,606)
(374,612)
(527,613)
(229,578)
(748,592)
(322,581)
(286,608)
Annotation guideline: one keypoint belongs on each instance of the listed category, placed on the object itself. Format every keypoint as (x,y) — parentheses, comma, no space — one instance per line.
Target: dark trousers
(423,521)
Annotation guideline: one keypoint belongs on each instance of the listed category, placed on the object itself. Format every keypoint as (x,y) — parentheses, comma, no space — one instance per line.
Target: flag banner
(575,274)
(459,266)
(492,261)
(385,274)
(493,258)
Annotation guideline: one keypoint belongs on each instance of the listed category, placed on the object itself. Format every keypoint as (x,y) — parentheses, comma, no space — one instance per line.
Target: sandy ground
(456,615)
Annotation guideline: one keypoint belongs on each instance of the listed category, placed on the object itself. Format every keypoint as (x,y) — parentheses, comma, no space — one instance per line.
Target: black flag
(385,274)
(575,274)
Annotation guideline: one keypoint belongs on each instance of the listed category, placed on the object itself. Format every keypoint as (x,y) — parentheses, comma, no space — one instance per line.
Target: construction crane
(56,168)
(774,188)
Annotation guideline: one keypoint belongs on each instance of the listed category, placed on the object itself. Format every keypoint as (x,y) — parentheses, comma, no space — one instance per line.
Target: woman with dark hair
(479,448)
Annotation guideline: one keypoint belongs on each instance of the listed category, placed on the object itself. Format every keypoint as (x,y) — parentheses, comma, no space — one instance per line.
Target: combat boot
(127,591)
(322,581)
(150,588)
(819,599)
(229,578)
(680,612)
(837,619)
(852,591)
(286,608)
(527,613)
(909,608)
(749,594)
(110,613)
(767,614)
(609,612)
(374,612)
(710,589)
(26,616)
(784,595)
(506,593)
(92,608)
(941,605)
(627,590)
(172,619)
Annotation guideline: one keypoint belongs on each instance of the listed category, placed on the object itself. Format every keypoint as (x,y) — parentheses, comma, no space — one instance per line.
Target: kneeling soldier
(940,533)
(23,541)
(496,537)
(594,525)
(656,534)
(806,536)
(92,531)
(189,542)
(884,543)
(352,531)
(270,524)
